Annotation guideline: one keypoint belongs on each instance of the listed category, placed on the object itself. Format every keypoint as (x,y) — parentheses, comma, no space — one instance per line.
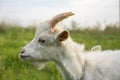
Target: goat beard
(39,65)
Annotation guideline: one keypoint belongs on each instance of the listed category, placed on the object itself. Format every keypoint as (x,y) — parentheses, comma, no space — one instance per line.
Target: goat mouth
(24,56)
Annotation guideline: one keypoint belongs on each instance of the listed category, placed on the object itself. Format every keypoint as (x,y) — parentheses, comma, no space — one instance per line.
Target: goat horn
(59,18)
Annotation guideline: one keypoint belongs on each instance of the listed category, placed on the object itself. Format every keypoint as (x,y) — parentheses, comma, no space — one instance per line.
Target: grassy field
(12,39)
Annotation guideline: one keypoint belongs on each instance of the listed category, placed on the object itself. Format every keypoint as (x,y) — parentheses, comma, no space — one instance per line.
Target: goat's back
(103,65)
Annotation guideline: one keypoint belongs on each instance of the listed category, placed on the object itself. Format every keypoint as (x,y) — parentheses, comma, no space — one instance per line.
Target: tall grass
(14,37)
(109,38)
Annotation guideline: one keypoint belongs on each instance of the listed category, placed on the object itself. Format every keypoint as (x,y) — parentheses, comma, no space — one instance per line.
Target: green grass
(13,38)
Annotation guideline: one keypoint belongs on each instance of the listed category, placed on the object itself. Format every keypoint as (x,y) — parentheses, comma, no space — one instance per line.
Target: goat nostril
(23,51)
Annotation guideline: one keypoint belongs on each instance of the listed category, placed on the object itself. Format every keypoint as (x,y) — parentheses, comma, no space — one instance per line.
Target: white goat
(54,44)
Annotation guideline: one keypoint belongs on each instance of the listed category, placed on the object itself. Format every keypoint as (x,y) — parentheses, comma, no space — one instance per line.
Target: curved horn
(59,18)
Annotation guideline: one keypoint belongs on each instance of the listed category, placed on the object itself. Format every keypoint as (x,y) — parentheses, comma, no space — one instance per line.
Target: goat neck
(71,61)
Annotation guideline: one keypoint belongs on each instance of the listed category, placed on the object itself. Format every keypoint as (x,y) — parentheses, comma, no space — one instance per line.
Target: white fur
(72,61)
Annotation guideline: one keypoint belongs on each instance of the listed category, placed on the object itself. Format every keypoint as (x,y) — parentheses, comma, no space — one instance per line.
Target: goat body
(54,44)
(102,65)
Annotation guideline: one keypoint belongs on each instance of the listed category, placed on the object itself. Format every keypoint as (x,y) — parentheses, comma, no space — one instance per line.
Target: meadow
(14,37)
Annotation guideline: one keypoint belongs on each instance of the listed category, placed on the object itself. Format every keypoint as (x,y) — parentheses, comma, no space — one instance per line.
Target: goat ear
(63,36)
(59,18)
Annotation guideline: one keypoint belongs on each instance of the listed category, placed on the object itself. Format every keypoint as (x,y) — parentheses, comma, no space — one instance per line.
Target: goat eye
(41,41)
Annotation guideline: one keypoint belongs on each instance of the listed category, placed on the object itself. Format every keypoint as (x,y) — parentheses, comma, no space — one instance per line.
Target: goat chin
(39,65)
